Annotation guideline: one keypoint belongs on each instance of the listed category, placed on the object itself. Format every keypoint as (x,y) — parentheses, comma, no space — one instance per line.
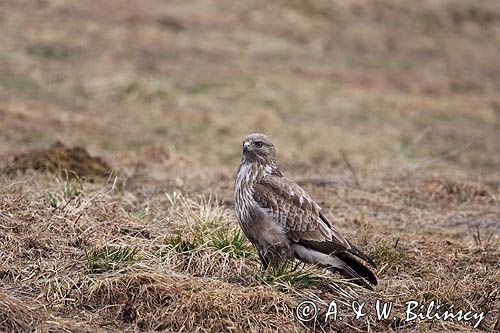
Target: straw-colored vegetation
(387,112)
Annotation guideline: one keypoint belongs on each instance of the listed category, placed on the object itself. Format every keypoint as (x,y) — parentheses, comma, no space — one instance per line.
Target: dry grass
(179,264)
(16,316)
(386,112)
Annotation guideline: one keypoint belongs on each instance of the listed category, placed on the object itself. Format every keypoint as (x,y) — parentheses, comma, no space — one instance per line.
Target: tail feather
(332,248)
(355,269)
(348,273)
(360,254)
(342,262)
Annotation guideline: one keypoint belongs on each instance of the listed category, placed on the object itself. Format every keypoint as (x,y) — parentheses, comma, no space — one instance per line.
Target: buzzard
(283,222)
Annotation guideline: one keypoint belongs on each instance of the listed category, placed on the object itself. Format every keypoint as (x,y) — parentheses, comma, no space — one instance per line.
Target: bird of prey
(283,222)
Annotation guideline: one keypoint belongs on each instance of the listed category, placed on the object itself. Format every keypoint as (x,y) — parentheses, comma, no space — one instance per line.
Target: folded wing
(290,206)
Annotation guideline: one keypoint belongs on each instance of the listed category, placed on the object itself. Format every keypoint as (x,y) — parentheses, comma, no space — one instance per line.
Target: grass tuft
(292,274)
(109,258)
(234,243)
(394,257)
(73,189)
(180,245)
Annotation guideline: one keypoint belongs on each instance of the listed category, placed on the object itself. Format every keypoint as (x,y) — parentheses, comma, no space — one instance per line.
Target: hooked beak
(246,147)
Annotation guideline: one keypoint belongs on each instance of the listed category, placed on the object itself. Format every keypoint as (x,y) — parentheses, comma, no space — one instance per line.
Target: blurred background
(384,80)
(156,81)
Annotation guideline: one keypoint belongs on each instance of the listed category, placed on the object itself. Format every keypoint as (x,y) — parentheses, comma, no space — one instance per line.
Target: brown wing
(290,206)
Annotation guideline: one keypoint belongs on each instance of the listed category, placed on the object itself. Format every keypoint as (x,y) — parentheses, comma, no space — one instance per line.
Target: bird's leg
(263,261)
(297,264)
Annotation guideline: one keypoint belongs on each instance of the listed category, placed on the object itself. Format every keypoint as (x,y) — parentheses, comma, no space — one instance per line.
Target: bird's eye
(258,144)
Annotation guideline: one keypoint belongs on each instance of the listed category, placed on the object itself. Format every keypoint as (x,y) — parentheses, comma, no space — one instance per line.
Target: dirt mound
(59,159)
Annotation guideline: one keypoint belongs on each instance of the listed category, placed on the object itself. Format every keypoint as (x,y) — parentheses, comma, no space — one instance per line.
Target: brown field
(387,112)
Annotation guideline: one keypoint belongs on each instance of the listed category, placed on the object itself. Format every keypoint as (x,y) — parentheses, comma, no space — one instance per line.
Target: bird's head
(258,147)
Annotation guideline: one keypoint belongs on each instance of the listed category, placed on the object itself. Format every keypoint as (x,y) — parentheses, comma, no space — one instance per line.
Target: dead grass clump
(394,257)
(443,192)
(203,239)
(208,262)
(158,301)
(59,159)
(459,190)
(16,316)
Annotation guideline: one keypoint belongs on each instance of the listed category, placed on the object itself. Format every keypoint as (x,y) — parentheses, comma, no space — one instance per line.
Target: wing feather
(293,208)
